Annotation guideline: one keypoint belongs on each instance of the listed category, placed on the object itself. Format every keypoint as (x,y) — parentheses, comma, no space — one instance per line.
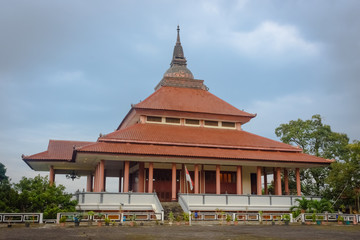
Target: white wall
(246,178)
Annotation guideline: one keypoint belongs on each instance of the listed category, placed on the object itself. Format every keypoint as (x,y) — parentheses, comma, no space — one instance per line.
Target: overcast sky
(70,69)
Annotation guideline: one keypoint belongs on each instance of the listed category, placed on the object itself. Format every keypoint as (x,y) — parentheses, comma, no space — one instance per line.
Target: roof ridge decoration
(178,75)
(178,54)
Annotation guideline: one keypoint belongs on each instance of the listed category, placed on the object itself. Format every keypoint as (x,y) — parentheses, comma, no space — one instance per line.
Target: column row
(96,181)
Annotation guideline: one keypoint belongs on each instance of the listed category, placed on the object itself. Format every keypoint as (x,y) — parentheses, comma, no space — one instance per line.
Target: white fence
(113,216)
(21,217)
(241,217)
(328,217)
(230,202)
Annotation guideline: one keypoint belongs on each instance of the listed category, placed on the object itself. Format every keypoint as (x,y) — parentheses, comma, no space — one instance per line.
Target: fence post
(41,218)
(58,215)
(302,217)
(189,218)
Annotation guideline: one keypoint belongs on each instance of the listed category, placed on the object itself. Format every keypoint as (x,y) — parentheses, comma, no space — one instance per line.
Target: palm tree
(320,206)
(303,205)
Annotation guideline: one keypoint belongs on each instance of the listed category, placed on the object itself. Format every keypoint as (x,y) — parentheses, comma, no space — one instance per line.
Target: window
(211,123)
(172,120)
(227,177)
(192,122)
(228,124)
(153,119)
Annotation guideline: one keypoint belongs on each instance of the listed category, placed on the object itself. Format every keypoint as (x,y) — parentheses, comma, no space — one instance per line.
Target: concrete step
(172,207)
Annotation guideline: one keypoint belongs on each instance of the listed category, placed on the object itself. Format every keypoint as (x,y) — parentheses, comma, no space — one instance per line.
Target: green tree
(303,204)
(3,176)
(321,206)
(8,196)
(344,179)
(36,195)
(317,139)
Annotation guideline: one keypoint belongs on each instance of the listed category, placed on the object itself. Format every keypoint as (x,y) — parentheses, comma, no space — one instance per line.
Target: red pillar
(126,176)
(239,189)
(102,176)
(96,178)
(275,182)
(51,176)
(104,180)
(298,184)
(278,181)
(202,180)
(182,179)
(265,183)
(151,177)
(258,181)
(89,182)
(218,179)
(196,178)
(141,177)
(286,181)
(173,182)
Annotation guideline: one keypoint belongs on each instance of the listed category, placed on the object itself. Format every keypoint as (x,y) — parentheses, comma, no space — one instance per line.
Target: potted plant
(27,223)
(319,220)
(178,220)
(286,218)
(107,221)
(236,222)
(186,218)
(132,220)
(76,221)
(340,220)
(62,221)
(228,219)
(9,222)
(100,216)
(260,216)
(171,218)
(313,217)
(91,217)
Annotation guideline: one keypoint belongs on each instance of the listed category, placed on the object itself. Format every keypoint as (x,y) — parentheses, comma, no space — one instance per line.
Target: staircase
(171,206)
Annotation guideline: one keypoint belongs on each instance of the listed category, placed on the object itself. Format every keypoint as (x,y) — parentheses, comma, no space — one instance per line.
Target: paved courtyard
(202,231)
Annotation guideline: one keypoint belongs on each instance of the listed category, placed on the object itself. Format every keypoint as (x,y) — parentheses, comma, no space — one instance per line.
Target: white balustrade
(114,201)
(232,202)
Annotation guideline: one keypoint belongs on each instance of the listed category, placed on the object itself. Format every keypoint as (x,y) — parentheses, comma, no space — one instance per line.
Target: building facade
(180,126)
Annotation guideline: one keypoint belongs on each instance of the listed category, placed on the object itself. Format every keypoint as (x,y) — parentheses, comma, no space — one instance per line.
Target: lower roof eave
(94,156)
(60,166)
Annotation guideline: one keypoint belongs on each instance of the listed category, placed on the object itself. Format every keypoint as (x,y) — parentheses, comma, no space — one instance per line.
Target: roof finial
(178,35)
(178,55)
(178,62)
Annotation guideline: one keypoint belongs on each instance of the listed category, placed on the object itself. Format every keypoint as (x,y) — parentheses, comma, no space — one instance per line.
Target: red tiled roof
(189,100)
(200,152)
(195,136)
(58,150)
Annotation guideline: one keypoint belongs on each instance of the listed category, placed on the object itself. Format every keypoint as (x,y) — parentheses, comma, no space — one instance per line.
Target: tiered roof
(180,95)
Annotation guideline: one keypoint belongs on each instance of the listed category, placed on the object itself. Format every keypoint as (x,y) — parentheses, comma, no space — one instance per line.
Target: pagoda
(181,128)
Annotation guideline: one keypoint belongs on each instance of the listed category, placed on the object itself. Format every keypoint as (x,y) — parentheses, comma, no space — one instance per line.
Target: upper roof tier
(178,94)
(189,100)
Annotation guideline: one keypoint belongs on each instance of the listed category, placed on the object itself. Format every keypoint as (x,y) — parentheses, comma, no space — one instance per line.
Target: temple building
(181,126)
